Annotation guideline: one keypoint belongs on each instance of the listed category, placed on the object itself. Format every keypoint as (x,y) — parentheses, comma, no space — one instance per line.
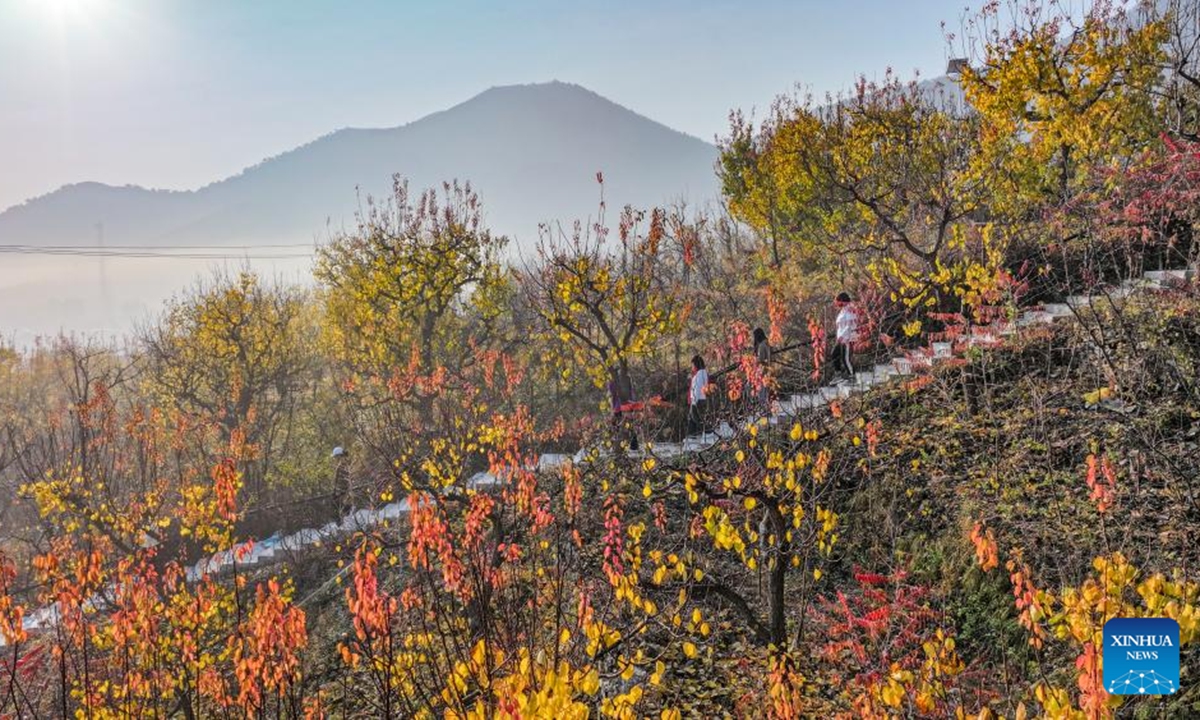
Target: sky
(176,94)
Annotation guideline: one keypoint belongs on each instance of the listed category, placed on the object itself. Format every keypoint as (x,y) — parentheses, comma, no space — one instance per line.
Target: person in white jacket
(697,396)
(847,335)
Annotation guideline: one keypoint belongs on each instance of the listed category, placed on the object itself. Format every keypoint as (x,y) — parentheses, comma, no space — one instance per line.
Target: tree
(603,303)
(880,184)
(1181,91)
(411,297)
(492,609)
(238,354)
(417,275)
(1057,96)
(123,627)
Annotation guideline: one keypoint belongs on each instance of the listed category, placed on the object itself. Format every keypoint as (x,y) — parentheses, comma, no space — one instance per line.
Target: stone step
(666,450)
(258,554)
(300,539)
(835,392)
(1137,283)
(884,371)
(1034,317)
(482,480)
(550,461)
(1165,276)
(391,511)
(699,442)
(865,380)
(808,402)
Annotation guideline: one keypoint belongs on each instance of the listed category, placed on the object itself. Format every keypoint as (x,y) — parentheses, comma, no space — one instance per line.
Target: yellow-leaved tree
(875,186)
(408,276)
(602,303)
(238,355)
(1058,95)
(411,299)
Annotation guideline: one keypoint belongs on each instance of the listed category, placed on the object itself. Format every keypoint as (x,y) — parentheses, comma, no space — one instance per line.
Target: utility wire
(252,246)
(176,252)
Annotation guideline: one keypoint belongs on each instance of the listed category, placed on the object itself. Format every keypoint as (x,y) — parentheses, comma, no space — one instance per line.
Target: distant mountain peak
(547,86)
(557,95)
(532,152)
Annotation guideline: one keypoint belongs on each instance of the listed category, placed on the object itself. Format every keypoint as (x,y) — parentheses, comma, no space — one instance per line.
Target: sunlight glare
(70,10)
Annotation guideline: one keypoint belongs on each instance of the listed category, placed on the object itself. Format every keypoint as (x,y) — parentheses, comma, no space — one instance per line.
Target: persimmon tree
(493,607)
(404,279)
(884,642)
(602,302)
(1181,91)
(1145,215)
(239,354)
(412,296)
(764,511)
(1058,94)
(879,185)
(1075,615)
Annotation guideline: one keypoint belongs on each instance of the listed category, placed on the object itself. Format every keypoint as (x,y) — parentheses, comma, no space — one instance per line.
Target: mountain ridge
(566,120)
(531,152)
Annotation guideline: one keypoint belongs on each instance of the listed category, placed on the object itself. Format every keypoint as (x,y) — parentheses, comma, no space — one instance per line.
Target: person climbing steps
(847,335)
(697,397)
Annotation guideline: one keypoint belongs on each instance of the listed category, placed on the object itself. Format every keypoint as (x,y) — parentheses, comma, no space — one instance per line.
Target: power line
(174,252)
(252,246)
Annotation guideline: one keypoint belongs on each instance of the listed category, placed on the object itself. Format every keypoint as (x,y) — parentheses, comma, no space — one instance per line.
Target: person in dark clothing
(697,396)
(762,350)
(620,391)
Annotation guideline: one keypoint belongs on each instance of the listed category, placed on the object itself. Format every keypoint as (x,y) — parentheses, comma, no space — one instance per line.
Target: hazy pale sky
(176,94)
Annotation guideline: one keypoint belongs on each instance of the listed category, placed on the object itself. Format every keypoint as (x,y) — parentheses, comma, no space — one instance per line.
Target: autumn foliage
(488,546)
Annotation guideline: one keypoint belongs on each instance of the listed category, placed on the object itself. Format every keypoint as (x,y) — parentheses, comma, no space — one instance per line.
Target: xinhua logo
(1141,656)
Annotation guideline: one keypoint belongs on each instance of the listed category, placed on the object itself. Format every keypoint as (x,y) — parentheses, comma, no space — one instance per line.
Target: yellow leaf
(591,683)
(627,673)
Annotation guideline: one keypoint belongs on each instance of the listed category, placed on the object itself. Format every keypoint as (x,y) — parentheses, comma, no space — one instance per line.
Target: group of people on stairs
(623,402)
